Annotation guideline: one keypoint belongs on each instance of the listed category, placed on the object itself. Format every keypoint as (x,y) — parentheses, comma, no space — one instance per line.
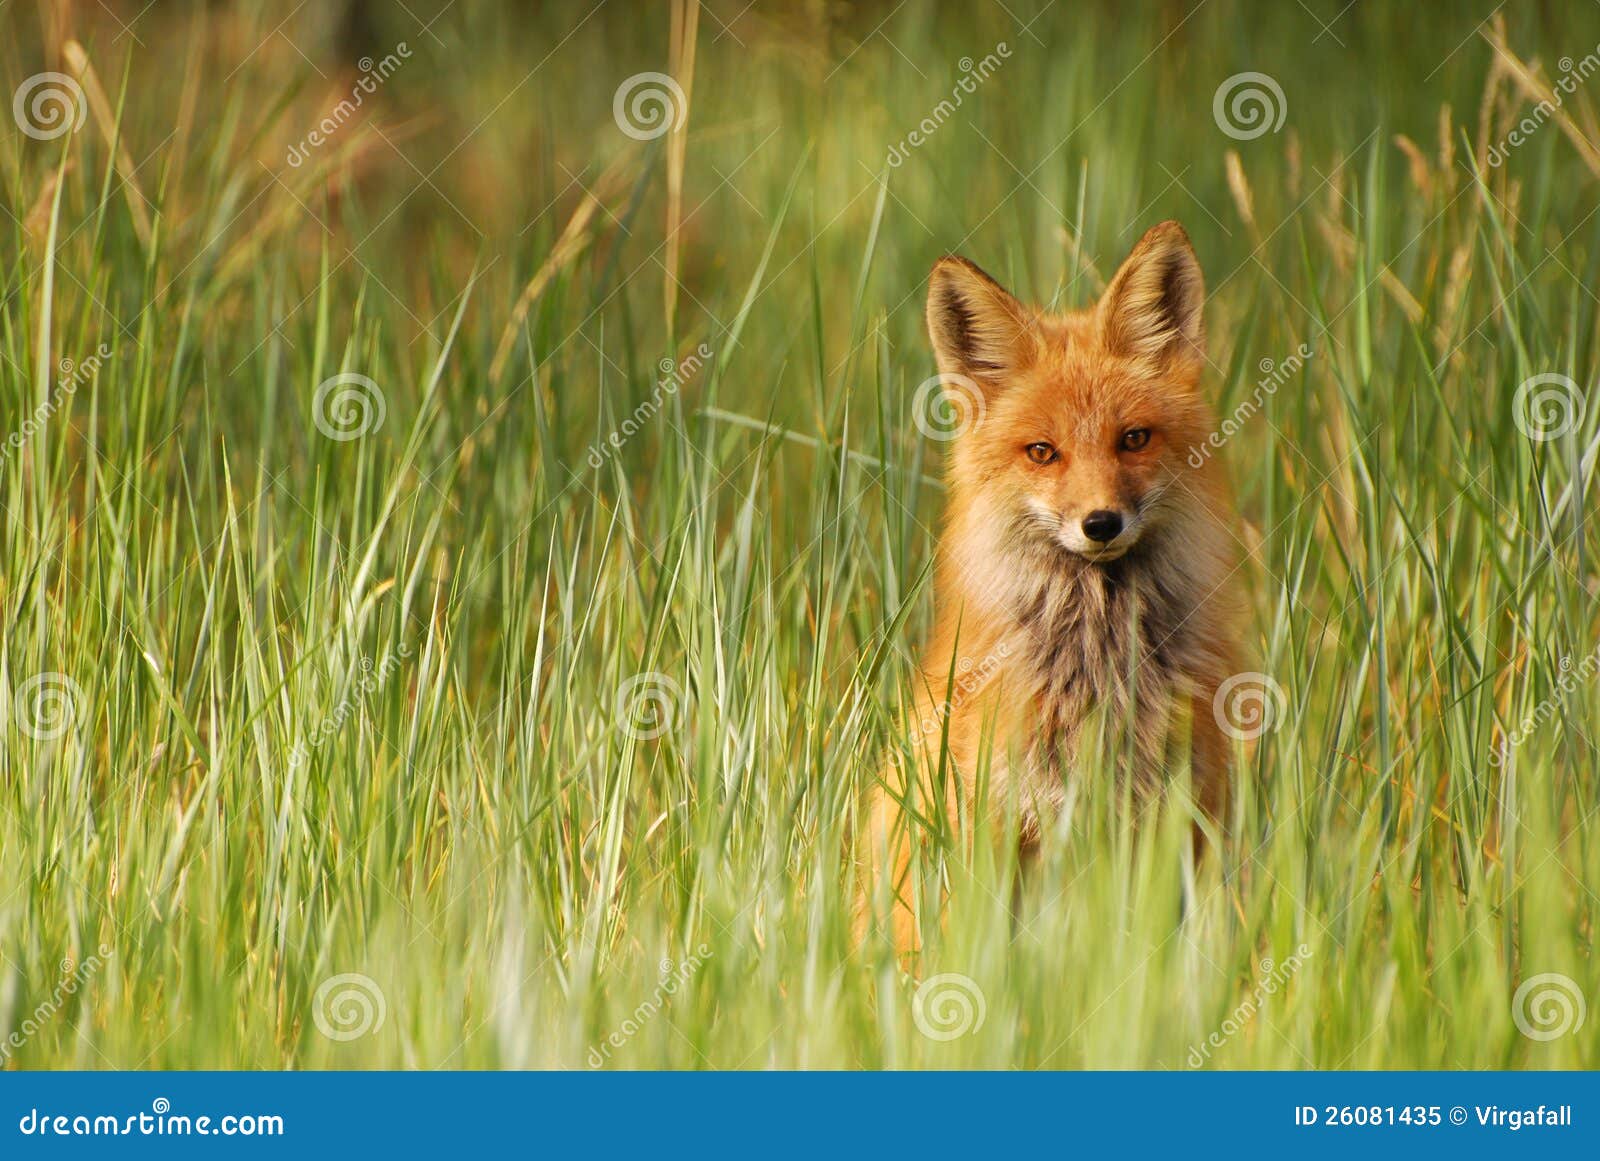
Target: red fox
(1086,564)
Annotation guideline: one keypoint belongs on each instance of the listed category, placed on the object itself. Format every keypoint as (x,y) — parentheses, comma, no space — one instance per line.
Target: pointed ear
(978,330)
(1152,309)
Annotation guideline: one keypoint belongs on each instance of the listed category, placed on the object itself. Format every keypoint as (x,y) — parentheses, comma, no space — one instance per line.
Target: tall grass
(563,758)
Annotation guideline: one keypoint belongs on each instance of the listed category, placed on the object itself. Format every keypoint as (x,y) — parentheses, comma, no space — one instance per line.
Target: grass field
(508,701)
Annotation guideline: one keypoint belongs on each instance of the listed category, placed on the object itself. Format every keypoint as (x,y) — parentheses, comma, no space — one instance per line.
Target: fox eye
(1135,438)
(1041,453)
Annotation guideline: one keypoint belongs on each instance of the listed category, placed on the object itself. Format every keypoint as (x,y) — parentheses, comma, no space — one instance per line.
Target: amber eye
(1041,453)
(1135,438)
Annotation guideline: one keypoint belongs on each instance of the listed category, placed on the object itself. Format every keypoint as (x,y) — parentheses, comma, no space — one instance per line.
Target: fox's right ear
(1152,309)
(978,330)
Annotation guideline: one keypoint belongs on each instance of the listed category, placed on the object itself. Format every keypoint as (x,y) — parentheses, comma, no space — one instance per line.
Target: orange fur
(1059,623)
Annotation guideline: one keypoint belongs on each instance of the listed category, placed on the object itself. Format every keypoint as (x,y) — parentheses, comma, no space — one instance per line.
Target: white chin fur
(1075,542)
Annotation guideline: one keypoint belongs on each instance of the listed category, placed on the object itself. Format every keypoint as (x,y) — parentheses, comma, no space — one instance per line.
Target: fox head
(1078,425)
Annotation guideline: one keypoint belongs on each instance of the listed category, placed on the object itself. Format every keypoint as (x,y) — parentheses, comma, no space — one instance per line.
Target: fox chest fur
(1101,666)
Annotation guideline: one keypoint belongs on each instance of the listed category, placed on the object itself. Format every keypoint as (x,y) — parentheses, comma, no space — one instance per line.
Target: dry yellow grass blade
(1447,149)
(36,224)
(78,61)
(1416,165)
(1343,244)
(1450,303)
(1075,251)
(1239,186)
(286,211)
(574,238)
(685,25)
(1537,90)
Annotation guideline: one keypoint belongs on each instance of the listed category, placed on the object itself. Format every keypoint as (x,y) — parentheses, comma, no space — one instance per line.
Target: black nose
(1102,525)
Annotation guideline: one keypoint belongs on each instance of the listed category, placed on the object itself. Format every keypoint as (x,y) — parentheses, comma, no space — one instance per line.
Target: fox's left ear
(1152,309)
